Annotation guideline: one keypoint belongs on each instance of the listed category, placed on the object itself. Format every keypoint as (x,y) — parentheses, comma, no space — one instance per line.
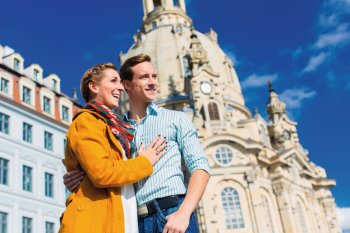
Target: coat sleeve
(89,143)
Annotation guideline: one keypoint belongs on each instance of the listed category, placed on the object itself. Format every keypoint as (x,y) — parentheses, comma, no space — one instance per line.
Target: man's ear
(126,85)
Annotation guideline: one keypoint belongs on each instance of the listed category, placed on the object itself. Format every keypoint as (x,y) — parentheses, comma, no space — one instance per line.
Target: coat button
(80,208)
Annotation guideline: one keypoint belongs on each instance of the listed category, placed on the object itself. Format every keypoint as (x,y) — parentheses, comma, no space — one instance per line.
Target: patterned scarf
(123,132)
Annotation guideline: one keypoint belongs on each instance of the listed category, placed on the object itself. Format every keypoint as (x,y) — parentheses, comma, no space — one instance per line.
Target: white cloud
(328,21)
(315,62)
(294,97)
(344,218)
(229,51)
(258,81)
(336,38)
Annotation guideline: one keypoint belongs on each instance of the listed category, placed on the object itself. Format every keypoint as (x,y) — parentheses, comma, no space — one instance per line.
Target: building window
(64,143)
(301,217)
(3,222)
(232,208)
(54,84)
(48,185)
(48,138)
(268,215)
(154,24)
(65,113)
(213,111)
(36,75)
(67,192)
(47,104)
(27,178)
(49,227)
(4,123)
(26,95)
(186,66)
(4,171)
(27,225)
(16,63)
(27,132)
(224,155)
(156,3)
(4,85)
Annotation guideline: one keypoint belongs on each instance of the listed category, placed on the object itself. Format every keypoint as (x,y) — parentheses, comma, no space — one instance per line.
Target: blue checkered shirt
(167,178)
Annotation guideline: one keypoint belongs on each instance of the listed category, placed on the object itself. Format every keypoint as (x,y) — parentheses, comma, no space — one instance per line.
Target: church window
(232,209)
(213,111)
(224,155)
(301,217)
(268,215)
(156,3)
(186,66)
(154,24)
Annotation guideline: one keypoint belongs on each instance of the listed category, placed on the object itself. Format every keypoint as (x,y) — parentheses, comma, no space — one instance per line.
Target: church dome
(167,36)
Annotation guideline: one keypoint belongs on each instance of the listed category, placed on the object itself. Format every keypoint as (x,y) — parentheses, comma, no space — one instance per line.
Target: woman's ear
(93,87)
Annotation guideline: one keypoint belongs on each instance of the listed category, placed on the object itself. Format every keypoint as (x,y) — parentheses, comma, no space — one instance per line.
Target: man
(163,203)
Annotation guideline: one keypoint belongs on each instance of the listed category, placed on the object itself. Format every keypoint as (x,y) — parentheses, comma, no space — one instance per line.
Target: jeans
(155,223)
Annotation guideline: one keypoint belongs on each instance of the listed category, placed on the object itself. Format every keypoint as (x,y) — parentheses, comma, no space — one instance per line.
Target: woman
(96,142)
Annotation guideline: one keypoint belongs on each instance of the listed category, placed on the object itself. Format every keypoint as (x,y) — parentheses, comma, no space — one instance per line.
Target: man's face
(143,86)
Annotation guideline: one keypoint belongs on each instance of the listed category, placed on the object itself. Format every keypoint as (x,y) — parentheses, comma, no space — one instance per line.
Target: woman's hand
(73,179)
(155,150)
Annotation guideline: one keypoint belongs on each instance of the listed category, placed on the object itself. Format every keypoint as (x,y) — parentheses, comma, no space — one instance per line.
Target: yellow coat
(96,206)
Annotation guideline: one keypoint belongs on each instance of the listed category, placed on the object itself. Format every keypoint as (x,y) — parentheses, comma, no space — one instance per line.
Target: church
(262,180)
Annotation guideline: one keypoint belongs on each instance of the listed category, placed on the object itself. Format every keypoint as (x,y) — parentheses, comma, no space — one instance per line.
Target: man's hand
(177,222)
(73,179)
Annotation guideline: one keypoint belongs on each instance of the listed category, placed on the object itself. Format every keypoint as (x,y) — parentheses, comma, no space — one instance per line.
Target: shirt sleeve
(190,146)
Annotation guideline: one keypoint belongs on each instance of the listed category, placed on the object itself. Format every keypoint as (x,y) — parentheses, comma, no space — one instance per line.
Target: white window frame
(218,147)
(63,101)
(9,78)
(25,82)
(45,92)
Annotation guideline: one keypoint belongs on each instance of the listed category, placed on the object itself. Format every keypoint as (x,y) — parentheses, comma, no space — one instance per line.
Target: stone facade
(262,179)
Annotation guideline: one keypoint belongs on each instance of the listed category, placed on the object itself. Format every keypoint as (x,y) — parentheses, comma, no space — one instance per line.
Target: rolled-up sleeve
(190,146)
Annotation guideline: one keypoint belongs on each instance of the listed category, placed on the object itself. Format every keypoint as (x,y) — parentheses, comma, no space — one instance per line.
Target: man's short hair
(125,70)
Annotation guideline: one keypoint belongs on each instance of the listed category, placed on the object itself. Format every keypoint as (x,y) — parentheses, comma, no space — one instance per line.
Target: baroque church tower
(262,179)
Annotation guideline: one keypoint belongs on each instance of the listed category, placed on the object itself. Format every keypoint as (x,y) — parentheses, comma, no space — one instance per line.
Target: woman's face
(109,89)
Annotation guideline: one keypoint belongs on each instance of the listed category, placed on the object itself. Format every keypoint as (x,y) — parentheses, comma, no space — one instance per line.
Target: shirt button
(80,208)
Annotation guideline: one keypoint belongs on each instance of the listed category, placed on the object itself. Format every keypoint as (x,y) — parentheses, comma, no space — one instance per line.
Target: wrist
(186,212)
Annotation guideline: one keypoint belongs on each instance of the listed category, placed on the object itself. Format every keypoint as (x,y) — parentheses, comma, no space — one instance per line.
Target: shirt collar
(152,109)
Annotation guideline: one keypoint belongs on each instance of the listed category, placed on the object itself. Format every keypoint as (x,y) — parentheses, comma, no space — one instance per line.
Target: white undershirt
(129,207)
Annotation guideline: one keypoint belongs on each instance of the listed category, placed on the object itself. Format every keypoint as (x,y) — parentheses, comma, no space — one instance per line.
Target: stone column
(283,193)
(182,5)
(331,214)
(147,7)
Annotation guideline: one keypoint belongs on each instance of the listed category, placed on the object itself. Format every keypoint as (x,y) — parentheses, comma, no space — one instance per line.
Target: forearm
(196,188)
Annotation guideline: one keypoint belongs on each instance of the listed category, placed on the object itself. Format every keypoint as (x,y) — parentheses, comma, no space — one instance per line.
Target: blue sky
(302,46)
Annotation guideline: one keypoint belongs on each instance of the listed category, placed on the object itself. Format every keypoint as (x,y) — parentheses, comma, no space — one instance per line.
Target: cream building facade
(34,119)
(262,180)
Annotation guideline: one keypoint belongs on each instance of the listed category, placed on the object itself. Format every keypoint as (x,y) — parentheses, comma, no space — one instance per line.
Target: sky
(303,47)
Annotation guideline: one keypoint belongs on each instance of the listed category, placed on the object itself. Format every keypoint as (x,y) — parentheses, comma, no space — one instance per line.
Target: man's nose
(152,81)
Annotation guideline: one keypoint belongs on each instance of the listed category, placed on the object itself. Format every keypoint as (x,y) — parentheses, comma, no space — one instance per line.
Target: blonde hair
(94,74)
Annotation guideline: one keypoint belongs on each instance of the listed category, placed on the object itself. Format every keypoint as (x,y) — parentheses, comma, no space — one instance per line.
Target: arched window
(156,3)
(268,215)
(213,111)
(301,217)
(224,155)
(232,208)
